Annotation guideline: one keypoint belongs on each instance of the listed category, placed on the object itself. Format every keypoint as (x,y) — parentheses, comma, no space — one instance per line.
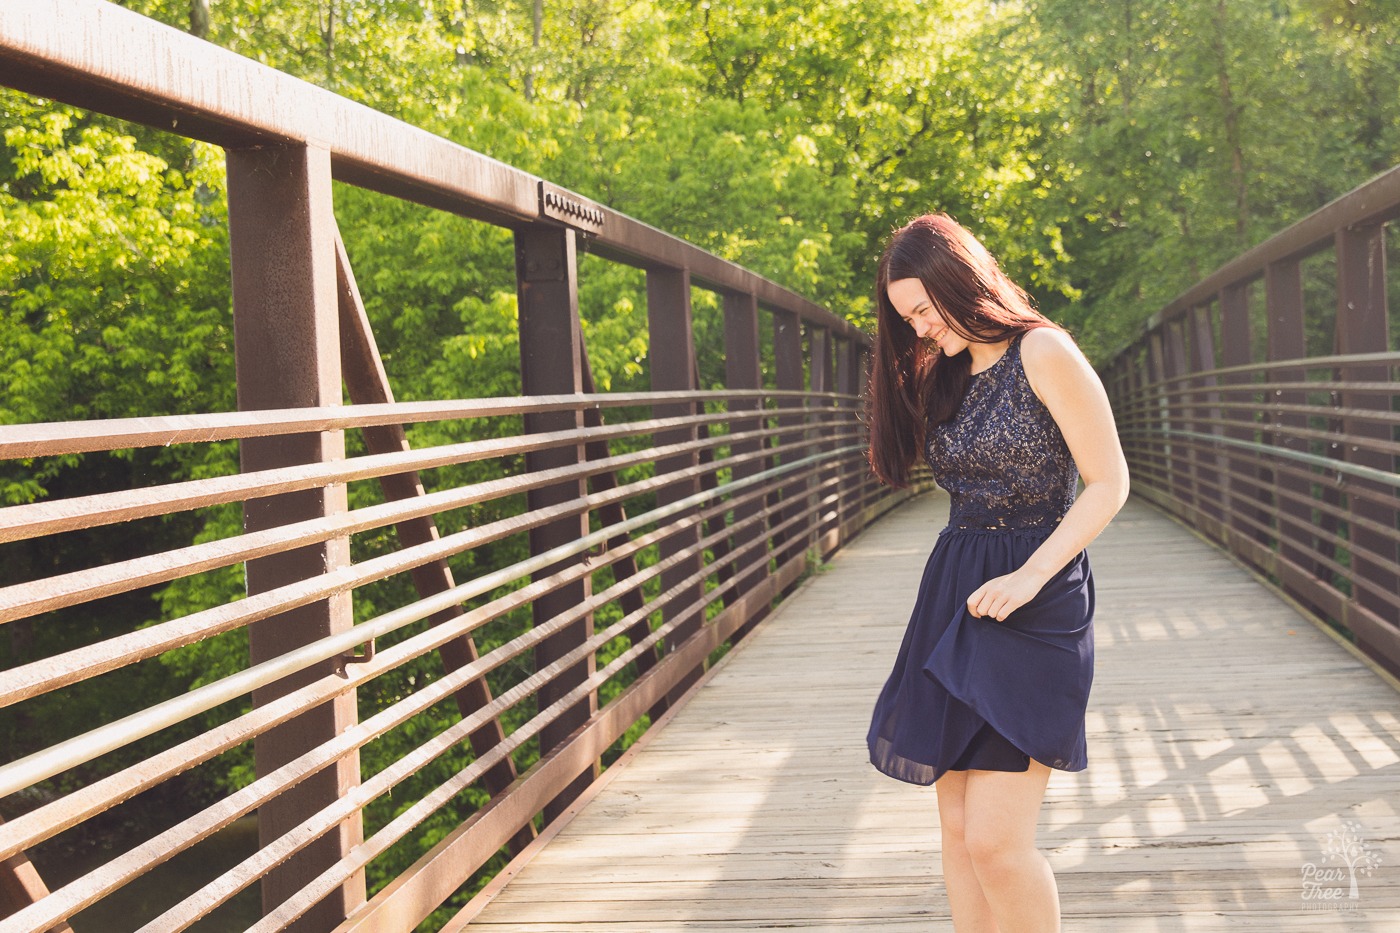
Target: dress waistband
(1030,530)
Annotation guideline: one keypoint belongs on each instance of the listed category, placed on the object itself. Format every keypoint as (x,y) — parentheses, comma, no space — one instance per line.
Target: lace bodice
(1002,457)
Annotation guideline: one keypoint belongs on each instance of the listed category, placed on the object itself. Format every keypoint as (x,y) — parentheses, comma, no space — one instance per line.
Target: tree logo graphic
(1335,885)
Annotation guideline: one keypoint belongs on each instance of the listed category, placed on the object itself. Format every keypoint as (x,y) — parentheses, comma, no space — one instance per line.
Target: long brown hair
(912,385)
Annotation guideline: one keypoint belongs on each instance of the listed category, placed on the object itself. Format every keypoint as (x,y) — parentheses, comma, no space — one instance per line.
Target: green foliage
(113,277)
(1173,132)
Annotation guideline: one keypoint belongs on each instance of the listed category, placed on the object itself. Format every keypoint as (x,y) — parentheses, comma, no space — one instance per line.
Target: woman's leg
(971,912)
(1001,809)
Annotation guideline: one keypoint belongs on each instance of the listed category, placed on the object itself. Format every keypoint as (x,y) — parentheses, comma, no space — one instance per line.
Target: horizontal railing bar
(139,860)
(39,676)
(1151,453)
(406,821)
(34,519)
(1359,492)
(97,884)
(548,775)
(16,835)
(1299,583)
(240,876)
(1338,466)
(215,620)
(1160,475)
(1284,436)
(1283,539)
(67,754)
(49,593)
(1237,396)
(1280,492)
(45,439)
(1225,390)
(429,803)
(19,834)
(1187,385)
(1181,408)
(1289,431)
(1310,386)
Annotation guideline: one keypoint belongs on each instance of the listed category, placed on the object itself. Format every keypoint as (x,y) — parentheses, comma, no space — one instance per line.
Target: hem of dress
(884,759)
(892,765)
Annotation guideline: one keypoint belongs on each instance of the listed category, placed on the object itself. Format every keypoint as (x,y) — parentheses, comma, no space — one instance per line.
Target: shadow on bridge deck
(1228,738)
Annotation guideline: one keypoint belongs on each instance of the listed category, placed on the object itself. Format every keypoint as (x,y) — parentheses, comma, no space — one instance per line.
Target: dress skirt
(975,693)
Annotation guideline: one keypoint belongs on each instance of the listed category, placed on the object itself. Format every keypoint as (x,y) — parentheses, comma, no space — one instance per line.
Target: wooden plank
(1227,738)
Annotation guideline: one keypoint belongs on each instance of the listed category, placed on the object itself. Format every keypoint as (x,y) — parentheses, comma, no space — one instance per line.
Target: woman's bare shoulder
(1049,341)
(1049,356)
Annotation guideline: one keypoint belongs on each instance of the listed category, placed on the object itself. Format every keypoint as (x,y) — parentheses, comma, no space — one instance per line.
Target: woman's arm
(1063,379)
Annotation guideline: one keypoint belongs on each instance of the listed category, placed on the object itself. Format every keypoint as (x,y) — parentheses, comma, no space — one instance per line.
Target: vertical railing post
(742,372)
(546,269)
(1206,462)
(1242,472)
(847,368)
(1363,327)
(1283,286)
(1125,400)
(787,362)
(868,486)
(1158,409)
(287,355)
(1175,391)
(819,416)
(1145,407)
(671,352)
(1128,413)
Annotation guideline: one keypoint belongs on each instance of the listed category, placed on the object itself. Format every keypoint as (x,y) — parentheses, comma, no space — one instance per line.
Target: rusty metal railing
(655,535)
(1289,460)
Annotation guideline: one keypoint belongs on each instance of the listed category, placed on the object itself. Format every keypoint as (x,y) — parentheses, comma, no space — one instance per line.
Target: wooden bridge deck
(1227,738)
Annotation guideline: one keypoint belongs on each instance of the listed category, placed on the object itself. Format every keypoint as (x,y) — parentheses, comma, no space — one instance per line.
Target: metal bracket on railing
(568,208)
(354,657)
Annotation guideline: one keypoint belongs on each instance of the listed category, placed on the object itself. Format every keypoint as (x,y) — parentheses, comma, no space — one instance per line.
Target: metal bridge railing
(1289,460)
(655,535)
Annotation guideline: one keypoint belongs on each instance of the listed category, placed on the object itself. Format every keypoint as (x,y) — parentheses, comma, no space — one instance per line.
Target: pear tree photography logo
(1331,884)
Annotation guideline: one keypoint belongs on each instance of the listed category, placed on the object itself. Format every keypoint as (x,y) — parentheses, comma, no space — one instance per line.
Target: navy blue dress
(975,693)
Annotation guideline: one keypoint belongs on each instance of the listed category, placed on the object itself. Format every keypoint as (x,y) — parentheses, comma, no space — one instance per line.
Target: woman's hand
(1001,596)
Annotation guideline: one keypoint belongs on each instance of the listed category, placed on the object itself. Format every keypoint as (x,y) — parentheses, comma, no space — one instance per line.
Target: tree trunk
(199,18)
(1232,125)
(328,43)
(538,35)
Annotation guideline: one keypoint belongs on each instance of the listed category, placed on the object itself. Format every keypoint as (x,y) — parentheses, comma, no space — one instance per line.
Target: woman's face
(912,303)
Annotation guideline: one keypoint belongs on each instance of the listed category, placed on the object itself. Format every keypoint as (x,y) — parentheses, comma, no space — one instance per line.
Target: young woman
(990,685)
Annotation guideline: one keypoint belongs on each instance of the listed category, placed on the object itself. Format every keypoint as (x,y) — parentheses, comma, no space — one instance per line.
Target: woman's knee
(989,850)
(992,841)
